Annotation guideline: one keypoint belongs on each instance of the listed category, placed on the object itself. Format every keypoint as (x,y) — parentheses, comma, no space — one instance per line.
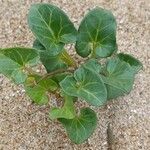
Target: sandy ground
(24,126)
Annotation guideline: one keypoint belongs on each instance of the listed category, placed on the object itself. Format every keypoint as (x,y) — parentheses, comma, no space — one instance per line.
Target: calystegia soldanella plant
(92,81)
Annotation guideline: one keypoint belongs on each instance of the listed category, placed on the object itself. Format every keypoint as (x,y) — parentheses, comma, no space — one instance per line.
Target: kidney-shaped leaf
(81,127)
(38,91)
(87,85)
(13,61)
(119,78)
(97,34)
(51,26)
(67,111)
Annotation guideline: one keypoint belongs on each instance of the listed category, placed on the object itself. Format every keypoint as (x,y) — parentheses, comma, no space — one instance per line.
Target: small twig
(110,137)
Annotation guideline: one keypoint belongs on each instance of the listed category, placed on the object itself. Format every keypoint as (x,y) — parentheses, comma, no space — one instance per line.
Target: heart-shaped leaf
(97,34)
(86,85)
(52,27)
(119,78)
(38,91)
(135,64)
(81,127)
(67,111)
(13,61)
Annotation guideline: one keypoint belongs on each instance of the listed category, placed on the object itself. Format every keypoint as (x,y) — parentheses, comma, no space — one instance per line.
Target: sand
(25,126)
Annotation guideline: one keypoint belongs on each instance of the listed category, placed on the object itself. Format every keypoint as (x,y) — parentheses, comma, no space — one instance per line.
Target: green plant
(92,81)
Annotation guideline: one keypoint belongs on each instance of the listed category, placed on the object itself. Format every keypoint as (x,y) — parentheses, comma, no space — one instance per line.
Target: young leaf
(14,60)
(135,64)
(86,85)
(19,76)
(81,127)
(67,111)
(93,65)
(97,34)
(38,92)
(118,78)
(52,27)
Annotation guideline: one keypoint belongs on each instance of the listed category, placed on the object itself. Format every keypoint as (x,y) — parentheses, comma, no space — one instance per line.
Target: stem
(68,59)
(56,72)
(30,71)
(93,50)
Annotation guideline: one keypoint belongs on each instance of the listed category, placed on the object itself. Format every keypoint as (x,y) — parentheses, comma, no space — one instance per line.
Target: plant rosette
(93,81)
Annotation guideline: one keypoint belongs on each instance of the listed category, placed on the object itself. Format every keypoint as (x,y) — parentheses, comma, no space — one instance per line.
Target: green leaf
(59,77)
(97,34)
(52,63)
(22,56)
(135,64)
(38,46)
(87,85)
(32,79)
(93,65)
(67,111)
(14,60)
(19,76)
(39,91)
(81,127)
(119,78)
(51,27)
(67,59)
